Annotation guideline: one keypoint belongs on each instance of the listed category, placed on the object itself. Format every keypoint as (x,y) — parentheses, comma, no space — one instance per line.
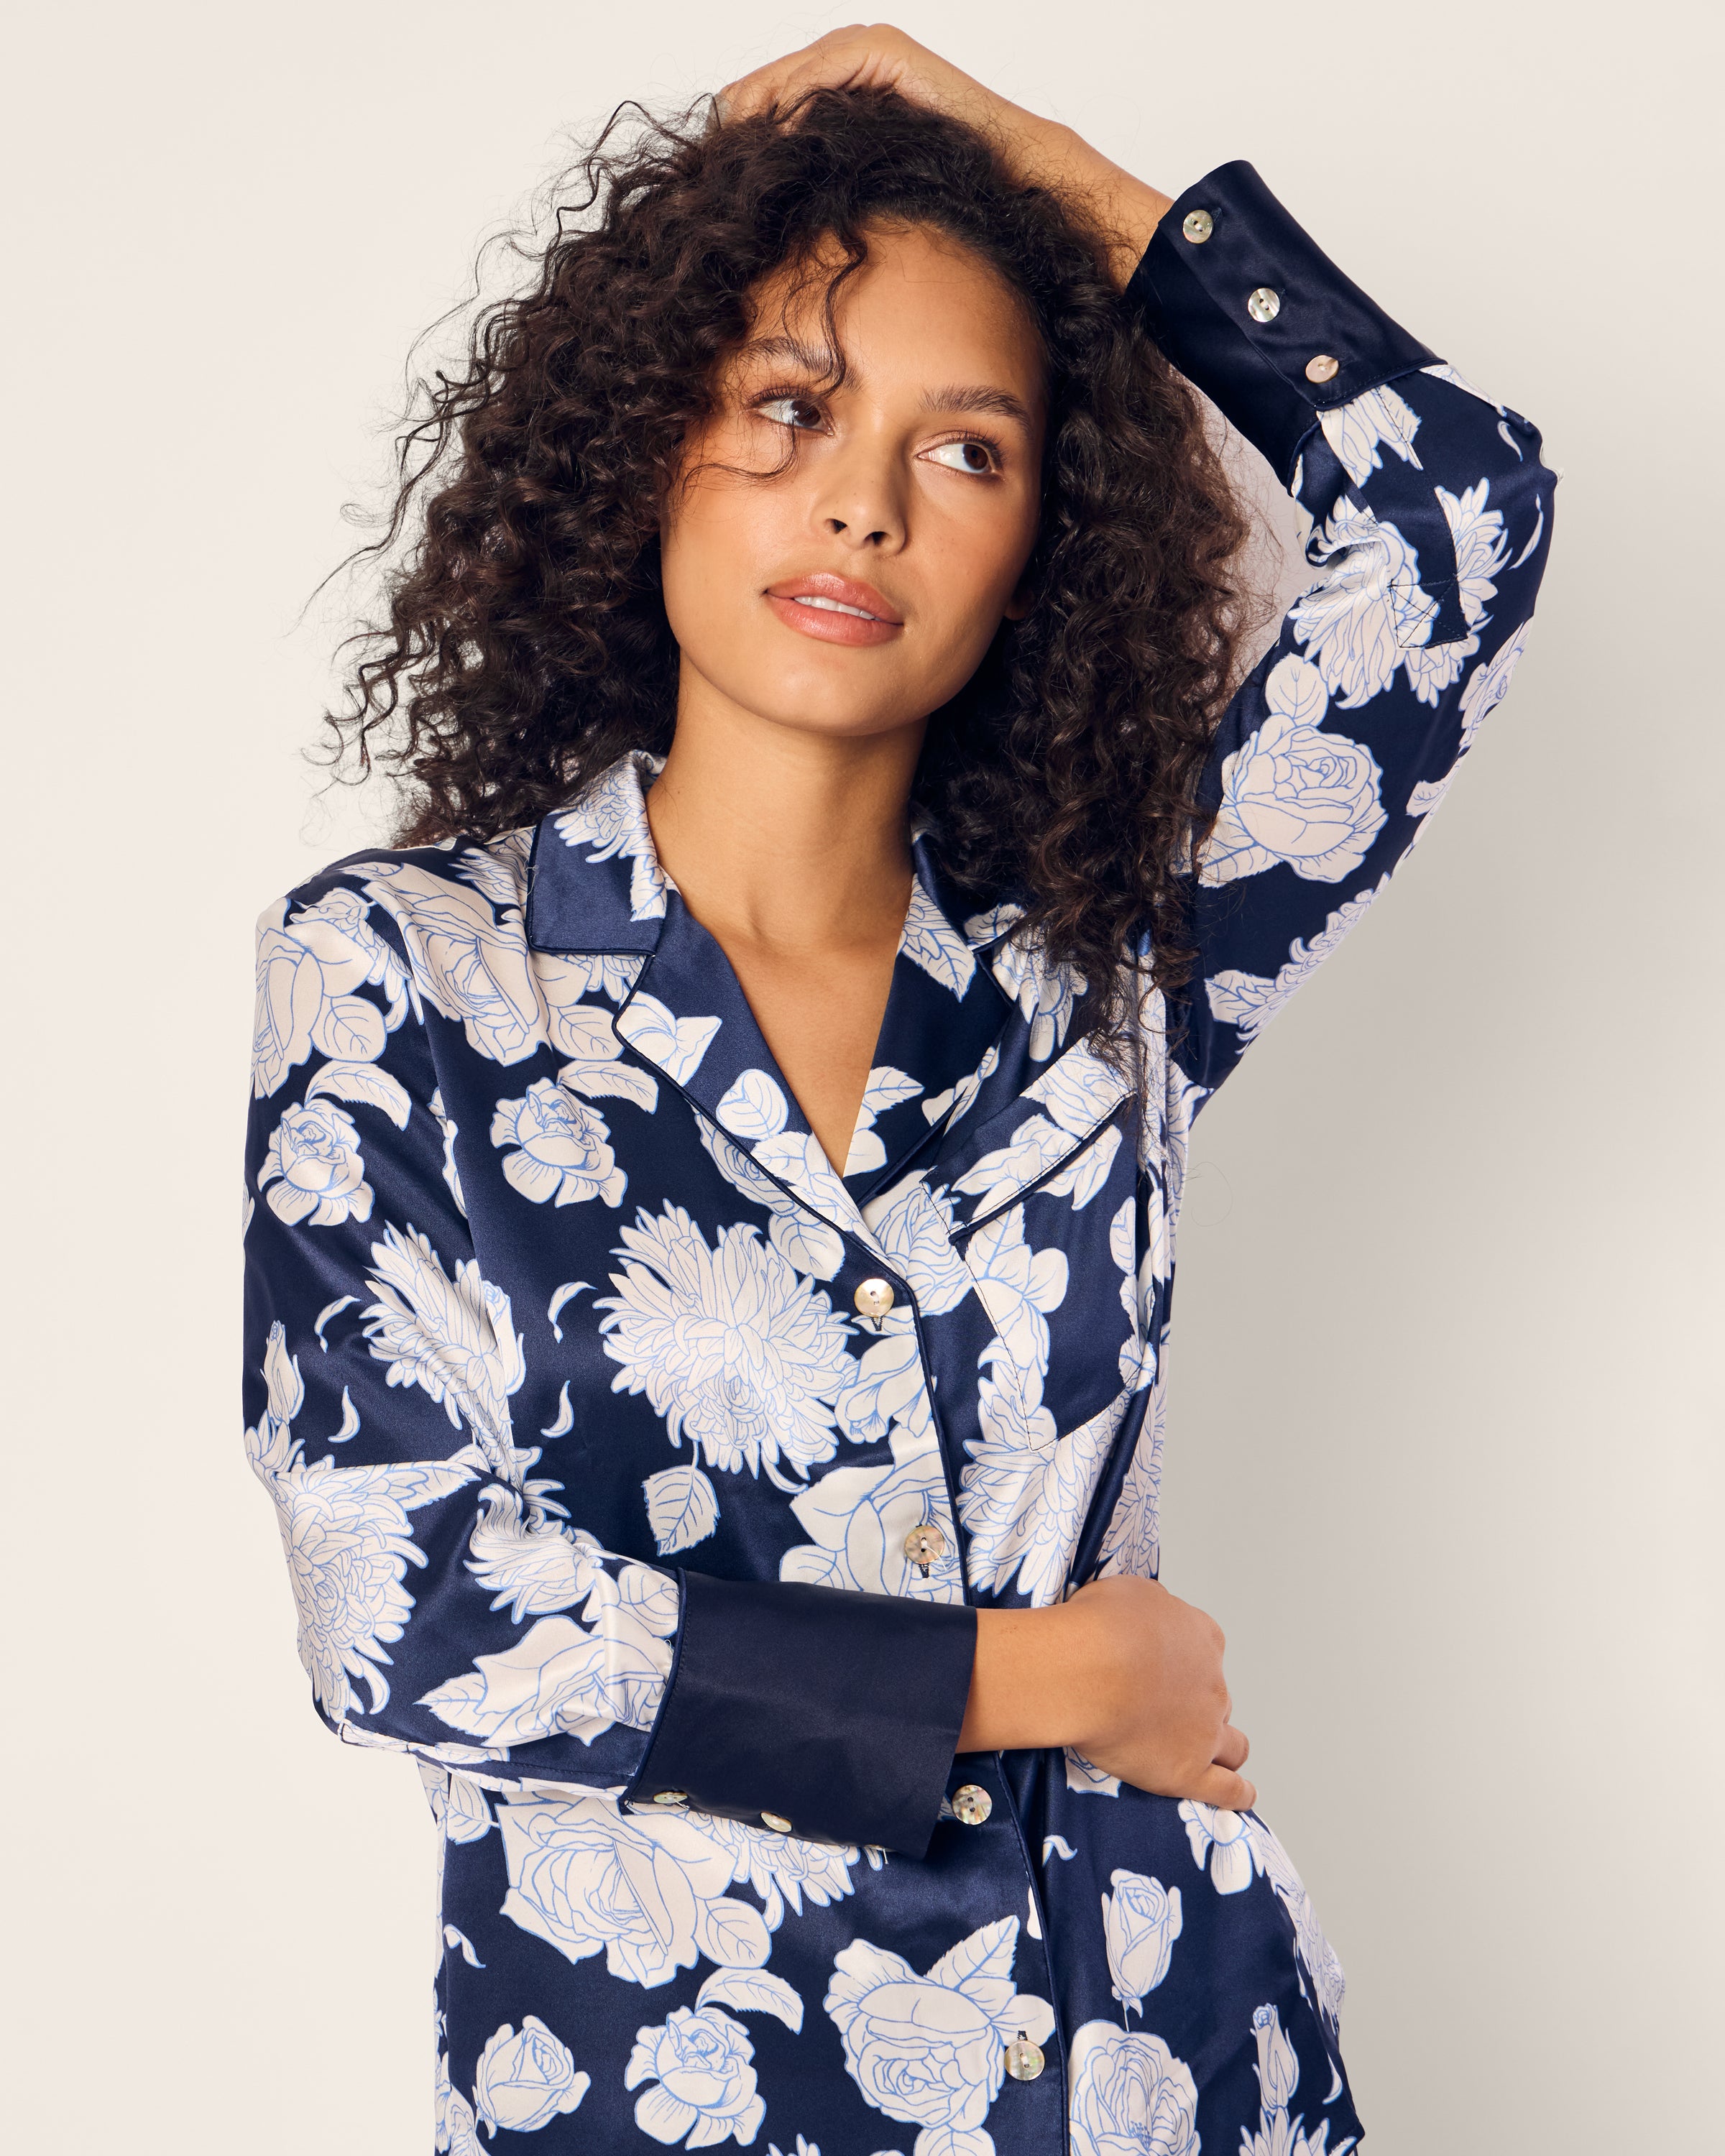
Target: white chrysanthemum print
(610,818)
(1366,611)
(931,2050)
(1025,1491)
(313,1171)
(1131,2096)
(529,1564)
(704,2089)
(1251,1000)
(782,1869)
(348,1543)
(454,1338)
(729,1343)
(563,1147)
(1132,1541)
(1293,792)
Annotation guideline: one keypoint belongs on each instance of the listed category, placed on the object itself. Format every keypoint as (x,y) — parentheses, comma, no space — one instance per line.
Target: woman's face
(856,589)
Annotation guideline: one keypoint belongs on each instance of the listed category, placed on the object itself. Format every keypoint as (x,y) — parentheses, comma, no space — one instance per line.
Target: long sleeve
(1431,515)
(451,1603)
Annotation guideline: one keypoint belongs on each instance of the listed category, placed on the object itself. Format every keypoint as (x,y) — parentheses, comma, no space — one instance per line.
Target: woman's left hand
(875,56)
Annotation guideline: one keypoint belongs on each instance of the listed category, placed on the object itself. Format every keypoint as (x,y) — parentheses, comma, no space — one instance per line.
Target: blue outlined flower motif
(347,1539)
(1141,1920)
(1278,2071)
(523,2082)
(454,1338)
(857,1519)
(1365,611)
(1025,1490)
(309,969)
(1018,1286)
(313,1170)
(1046,992)
(610,818)
(565,1154)
(1133,1542)
(931,2050)
(456,2128)
(706,2085)
(1228,1840)
(730,1343)
(1293,793)
(559,1679)
(1251,1000)
(887,1088)
(645,1889)
(1356,432)
(1131,2096)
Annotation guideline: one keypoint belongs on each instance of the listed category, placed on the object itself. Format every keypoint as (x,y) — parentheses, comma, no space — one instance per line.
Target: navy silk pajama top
(640,1475)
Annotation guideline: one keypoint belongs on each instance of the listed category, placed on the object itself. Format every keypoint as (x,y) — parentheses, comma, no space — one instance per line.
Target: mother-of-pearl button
(776,1821)
(1264,305)
(1197,226)
(874,1298)
(670,1796)
(925,1545)
(1024,2058)
(1322,368)
(972,1805)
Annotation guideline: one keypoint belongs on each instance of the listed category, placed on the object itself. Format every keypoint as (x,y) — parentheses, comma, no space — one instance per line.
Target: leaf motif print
(560,1148)
(930,941)
(781,1868)
(1357,430)
(363,1082)
(308,970)
(454,1338)
(467,1809)
(752,1991)
(1250,1000)
(1294,793)
(729,1343)
(753,1107)
(588,1037)
(676,1044)
(1018,1286)
(886,1088)
(1085,1176)
(1002,1174)
(682,1508)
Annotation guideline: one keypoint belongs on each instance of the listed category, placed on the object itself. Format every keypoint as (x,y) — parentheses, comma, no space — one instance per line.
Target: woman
(713,1189)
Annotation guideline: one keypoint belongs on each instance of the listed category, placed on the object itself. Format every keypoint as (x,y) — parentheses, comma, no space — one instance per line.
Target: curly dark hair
(526,646)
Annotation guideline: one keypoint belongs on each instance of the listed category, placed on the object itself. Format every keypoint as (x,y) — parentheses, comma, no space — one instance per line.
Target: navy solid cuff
(819,1712)
(1254,313)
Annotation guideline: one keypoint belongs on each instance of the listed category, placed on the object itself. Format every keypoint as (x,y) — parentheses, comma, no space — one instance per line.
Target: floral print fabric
(551,1289)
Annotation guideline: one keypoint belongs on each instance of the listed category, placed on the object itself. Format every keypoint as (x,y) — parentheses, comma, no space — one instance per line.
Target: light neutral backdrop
(1444,1455)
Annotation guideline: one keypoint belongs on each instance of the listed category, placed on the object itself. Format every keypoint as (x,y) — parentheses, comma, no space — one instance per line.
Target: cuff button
(972,1805)
(1324,368)
(778,1824)
(1264,305)
(1024,2058)
(670,1796)
(1197,226)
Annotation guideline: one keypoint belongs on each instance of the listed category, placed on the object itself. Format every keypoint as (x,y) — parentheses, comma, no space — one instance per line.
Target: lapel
(596,886)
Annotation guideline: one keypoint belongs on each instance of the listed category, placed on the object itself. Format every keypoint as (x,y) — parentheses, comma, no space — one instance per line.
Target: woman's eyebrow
(976,397)
(813,359)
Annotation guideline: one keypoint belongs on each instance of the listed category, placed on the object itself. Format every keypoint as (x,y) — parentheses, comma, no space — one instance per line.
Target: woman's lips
(834,609)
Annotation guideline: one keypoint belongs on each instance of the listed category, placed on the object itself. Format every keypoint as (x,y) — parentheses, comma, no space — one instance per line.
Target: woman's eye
(798,412)
(976,458)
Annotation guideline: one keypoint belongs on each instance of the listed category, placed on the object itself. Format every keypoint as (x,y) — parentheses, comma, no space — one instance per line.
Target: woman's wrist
(1040,1677)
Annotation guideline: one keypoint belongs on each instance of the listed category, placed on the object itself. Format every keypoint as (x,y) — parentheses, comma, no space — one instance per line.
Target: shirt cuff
(826,1714)
(1252,312)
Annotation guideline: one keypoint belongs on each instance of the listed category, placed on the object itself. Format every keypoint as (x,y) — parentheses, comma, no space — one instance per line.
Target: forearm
(1125,210)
